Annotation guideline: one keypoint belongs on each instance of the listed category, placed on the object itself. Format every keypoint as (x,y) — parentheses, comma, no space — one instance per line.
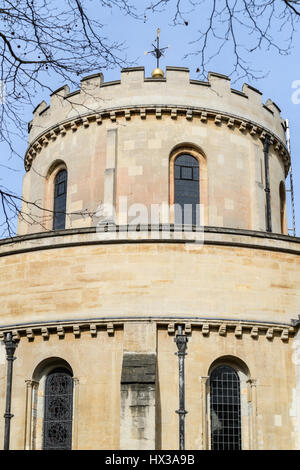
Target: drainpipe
(181,342)
(291,190)
(267,184)
(10,346)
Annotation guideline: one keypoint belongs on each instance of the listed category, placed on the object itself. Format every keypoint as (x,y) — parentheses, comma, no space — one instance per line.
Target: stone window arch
(188,184)
(55,198)
(231,405)
(51,407)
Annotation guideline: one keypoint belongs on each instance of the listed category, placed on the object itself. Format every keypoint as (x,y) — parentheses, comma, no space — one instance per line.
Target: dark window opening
(282,205)
(60,199)
(186,190)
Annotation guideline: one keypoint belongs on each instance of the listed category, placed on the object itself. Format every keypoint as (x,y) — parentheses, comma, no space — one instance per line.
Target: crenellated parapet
(171,97)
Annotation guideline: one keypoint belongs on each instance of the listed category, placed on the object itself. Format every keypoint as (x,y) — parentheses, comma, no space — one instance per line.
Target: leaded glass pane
(186,173)
(186,190)
(60,199)
(225,409)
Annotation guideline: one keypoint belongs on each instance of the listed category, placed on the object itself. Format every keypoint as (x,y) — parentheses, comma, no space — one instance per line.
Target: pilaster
(138,387)
(110,175)
(31,385)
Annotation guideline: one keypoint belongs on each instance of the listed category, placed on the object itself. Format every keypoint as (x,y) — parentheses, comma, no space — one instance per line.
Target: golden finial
(157,73)
(157,52)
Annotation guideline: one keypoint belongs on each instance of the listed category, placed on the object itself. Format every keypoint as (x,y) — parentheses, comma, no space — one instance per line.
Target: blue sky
(282,73)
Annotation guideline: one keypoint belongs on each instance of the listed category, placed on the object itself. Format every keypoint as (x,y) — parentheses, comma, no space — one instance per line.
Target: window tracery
(58,410)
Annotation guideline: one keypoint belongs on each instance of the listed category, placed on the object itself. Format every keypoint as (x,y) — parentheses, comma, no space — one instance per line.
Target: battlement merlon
(176,89)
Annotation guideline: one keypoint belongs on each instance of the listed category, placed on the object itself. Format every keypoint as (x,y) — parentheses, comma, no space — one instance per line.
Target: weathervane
(158,52)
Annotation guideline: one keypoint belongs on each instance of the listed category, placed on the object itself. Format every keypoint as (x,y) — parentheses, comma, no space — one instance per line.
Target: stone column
(75,413)
(204,433)
(28,413)
(253,430)
(138,387)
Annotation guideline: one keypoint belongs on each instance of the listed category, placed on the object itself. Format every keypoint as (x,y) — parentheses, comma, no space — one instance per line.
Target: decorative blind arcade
(225,409)
(58,410)
(60,199)
(186,190)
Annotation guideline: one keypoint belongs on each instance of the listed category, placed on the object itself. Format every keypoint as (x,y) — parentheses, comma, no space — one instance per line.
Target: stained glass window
(58,410)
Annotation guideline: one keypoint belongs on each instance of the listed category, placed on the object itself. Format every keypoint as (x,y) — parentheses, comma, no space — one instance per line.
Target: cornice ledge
(168,233)
(207,326)
(220,117)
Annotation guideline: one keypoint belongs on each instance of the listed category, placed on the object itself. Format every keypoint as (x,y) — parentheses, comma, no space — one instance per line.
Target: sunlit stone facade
(96,297)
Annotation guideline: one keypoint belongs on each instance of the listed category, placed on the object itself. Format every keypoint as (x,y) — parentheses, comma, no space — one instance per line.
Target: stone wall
(88,274)
(114,407)
(105,297)
(117,140)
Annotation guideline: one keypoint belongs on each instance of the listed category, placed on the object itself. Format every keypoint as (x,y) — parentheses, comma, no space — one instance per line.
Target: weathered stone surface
(138,368)
(104,299)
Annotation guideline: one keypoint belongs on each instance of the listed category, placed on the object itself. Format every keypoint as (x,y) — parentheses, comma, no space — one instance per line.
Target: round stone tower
(153,223)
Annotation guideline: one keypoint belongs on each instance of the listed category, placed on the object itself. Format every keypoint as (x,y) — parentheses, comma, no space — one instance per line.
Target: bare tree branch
(245,26)
(44,42)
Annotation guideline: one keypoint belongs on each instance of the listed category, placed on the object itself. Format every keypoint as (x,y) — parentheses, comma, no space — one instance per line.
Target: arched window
(282,206)
(58,410)
(60,199)
(186,189)
(225,409)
